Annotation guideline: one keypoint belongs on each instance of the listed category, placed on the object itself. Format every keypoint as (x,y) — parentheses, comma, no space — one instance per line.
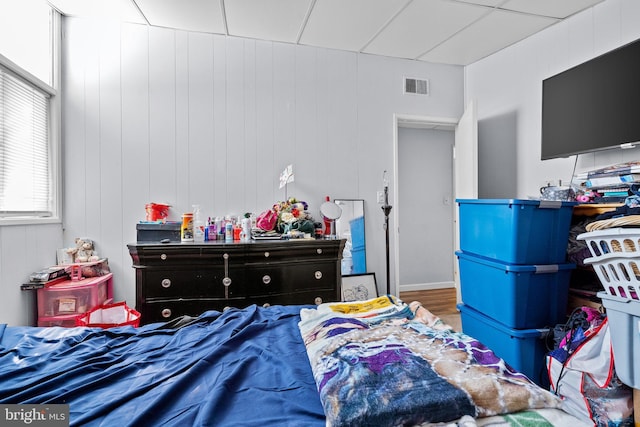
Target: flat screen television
(593,106)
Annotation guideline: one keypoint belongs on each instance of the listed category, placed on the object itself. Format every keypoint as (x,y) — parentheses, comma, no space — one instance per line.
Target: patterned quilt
(386,363)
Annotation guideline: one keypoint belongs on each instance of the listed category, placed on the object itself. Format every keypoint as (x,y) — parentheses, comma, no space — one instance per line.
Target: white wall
(24,249)
(156,114)
(508,86)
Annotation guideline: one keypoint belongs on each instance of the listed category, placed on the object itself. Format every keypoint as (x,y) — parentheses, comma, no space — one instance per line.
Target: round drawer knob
(319,251)
(163,256)
(166,313)
(318,274)
(266,304)
(226,281)
(318,300)
(266,279)
(266,254)
(166,283)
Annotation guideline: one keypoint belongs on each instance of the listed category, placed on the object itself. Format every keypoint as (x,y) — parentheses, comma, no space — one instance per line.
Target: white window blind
(25,175)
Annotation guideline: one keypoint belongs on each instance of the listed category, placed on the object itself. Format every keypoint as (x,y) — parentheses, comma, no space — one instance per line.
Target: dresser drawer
(162,311)
(166,255)
(319,275)
(299,298)
(291,251)
(192,282)
(176,254)
(284,278)
(219,255)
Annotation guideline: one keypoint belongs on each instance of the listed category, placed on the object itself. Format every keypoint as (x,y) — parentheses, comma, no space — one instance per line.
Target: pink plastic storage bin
(60,304)
(61,321)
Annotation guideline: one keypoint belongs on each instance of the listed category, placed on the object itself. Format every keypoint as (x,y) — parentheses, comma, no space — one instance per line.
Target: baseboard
(426,286)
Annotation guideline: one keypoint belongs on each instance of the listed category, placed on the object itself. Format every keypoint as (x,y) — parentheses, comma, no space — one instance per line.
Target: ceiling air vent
(416,86)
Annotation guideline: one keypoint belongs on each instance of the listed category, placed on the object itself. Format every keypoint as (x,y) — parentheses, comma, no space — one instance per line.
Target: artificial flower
(291,212)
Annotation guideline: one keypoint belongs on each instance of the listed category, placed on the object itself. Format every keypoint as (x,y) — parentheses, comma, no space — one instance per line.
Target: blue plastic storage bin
(519,296)
(516,231)
(523,349)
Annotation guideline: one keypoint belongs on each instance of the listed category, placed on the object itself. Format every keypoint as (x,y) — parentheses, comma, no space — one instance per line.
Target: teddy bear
(84,251)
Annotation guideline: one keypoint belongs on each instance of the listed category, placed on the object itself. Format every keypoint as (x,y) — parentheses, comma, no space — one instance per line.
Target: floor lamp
(386,208)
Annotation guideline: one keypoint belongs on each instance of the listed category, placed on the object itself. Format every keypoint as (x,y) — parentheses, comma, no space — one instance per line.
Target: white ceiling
(441,31)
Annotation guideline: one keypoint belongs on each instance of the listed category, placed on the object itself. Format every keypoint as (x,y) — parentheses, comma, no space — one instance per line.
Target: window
(24,148)
(29,123)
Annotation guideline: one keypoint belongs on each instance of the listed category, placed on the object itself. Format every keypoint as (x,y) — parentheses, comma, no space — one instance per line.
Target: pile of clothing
(582,372)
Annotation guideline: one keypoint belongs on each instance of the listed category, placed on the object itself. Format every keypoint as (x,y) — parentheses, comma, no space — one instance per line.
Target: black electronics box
(154,232)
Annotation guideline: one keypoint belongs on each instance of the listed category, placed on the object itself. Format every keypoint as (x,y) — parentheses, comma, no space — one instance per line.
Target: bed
(371,363)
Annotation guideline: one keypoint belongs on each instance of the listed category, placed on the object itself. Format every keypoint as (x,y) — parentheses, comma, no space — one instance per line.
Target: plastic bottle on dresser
(246,229)
(220,227)
(186,229)
(228,235)
(198,225)
(213,229)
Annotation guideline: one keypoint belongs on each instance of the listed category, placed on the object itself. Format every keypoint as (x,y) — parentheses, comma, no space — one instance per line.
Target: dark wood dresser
(175,279)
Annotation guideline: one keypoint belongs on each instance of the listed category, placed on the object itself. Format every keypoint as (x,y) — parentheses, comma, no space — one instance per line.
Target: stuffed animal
(84,251)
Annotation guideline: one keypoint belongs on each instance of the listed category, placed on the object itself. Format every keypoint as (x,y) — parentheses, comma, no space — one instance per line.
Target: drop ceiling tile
(423,25)
(191,15)
(121,10)
(277,20)
(431,30)
(494,32)
(348,25)
(551,8)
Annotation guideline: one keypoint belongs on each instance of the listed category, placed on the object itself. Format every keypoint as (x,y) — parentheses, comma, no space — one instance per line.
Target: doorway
(463,157)
(425,208)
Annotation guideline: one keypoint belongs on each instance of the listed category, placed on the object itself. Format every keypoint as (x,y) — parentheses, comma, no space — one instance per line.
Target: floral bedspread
(386,363)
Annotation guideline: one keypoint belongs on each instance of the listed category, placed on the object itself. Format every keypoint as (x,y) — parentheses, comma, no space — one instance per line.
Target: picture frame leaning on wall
(359,287)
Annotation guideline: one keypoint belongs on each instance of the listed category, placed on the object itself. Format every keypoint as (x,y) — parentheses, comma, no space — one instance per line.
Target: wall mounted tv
(593,106)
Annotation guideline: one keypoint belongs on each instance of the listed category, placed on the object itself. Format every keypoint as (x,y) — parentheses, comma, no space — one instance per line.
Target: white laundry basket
(616,260)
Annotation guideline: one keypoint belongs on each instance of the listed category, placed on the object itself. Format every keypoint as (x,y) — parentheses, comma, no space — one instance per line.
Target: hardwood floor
(441,302)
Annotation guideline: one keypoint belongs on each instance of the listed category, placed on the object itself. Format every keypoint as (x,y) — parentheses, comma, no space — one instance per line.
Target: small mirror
(350,226)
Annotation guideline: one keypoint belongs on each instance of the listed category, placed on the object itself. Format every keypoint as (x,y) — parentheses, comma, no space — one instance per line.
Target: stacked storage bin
(616,260)
(61,303)
(513,276)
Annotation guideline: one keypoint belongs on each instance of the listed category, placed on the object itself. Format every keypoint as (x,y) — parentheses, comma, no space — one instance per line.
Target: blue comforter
(242,367)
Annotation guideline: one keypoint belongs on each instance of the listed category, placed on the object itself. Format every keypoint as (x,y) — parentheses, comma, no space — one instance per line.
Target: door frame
(434,123)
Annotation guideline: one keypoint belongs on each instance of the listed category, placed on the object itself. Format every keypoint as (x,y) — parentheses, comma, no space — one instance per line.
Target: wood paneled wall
(154,114)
